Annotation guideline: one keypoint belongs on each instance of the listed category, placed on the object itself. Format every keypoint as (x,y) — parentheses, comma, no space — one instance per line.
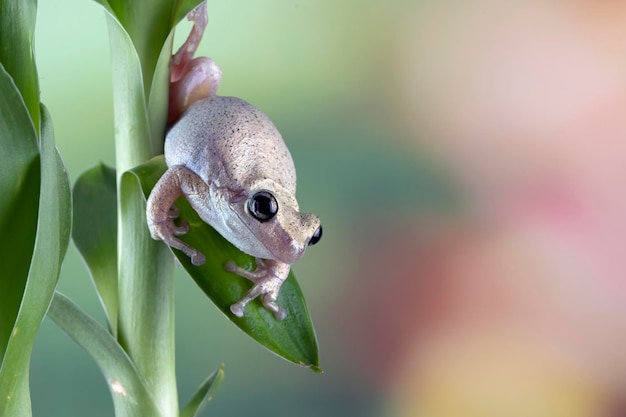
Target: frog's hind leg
(192,79)
(185,53)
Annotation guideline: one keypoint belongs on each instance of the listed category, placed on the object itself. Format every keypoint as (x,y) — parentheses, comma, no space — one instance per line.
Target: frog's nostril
(316,236)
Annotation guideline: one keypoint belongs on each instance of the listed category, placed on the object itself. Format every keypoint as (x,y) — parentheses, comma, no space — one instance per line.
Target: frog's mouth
(268,240)
(292,250)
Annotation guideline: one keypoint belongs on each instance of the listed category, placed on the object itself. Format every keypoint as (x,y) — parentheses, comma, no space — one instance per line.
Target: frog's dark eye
(316,236)
(262,206)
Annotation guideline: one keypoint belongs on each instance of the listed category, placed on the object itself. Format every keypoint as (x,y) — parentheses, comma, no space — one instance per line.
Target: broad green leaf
(294,337)
(95,233)
(146,298)
(204,394)
(133,139)
(128,389)
(141,72)
(19,205)
(17,25)
(19,186)
(53,231)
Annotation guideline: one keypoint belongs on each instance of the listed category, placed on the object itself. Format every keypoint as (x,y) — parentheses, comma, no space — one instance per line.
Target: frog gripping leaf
(230,162)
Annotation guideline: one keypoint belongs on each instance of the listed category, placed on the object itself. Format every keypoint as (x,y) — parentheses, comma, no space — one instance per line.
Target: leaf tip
(314,367)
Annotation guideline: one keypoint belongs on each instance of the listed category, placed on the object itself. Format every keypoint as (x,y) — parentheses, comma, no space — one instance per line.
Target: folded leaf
(130,397)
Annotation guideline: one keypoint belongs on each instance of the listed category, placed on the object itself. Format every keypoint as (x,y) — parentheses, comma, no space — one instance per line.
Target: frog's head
(270,225)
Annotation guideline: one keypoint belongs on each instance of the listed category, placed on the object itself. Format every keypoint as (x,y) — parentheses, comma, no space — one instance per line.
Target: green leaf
(204,394)
(294,337)
(128,389)
(146,298)
(17,26)
(141,71)
(53,230)
(140,36)
(158,95)
(95,233)
(148,25)
(133,140)
(19,186)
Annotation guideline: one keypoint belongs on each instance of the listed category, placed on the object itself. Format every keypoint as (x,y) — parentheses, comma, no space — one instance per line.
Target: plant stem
(145,267)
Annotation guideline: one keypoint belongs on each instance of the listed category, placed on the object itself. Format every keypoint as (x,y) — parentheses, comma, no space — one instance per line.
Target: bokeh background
(468,162)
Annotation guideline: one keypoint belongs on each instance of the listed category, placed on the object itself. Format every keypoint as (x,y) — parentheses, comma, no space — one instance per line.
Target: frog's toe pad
(197,258)
(231,266)
(237,309)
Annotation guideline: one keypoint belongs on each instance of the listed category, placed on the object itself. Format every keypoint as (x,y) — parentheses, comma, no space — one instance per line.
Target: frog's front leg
(160,211)
(268,277)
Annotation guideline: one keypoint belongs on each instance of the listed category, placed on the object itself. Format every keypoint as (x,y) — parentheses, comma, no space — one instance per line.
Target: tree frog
(232,165)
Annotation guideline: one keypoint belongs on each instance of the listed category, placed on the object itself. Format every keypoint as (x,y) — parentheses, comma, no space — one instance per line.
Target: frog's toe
(280,314)
(182,229)
(231,266)
(254,276)
(269,302)
(197,258)
(238,309)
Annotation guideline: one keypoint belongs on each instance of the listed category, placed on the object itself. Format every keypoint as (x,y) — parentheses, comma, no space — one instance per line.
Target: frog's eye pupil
(316,236)
(263,206)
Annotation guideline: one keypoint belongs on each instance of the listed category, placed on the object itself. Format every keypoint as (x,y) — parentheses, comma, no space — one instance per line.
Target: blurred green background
(467,160)
(315,68)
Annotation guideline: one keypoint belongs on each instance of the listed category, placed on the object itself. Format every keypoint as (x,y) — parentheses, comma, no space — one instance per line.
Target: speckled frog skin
(232,165)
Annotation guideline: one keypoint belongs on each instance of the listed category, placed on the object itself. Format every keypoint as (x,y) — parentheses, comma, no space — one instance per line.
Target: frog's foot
(268,278)
(185,53)
(191,79)
(166,230)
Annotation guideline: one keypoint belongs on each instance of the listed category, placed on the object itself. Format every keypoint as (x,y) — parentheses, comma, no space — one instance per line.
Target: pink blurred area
(518,308)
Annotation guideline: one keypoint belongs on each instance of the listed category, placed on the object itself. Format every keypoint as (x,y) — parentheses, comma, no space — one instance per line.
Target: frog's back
(229,136)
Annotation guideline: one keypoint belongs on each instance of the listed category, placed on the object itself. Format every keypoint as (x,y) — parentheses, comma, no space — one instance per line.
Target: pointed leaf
(130,397)
(204,394)
(294,337)
(95,233)
(53,230)
(19,186)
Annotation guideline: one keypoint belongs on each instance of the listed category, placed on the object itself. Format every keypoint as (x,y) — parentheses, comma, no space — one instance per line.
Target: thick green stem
(145,267)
